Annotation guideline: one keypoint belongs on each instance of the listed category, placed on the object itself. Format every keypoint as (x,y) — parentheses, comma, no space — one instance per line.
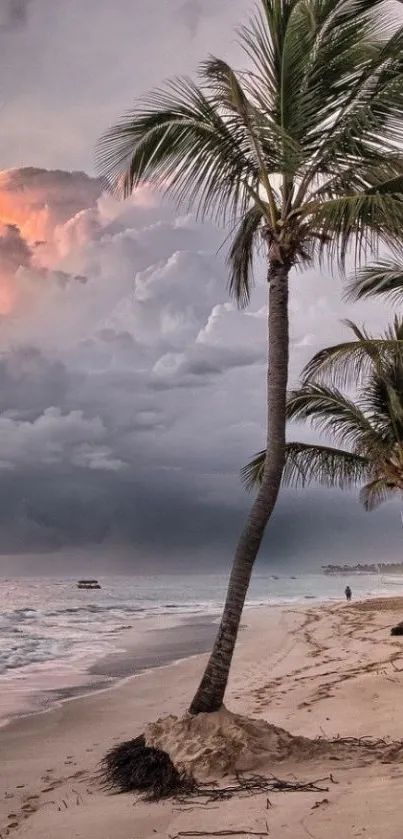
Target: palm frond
(385,277)
(376,492)
(332,413)
(252,473)
(364,220)
(381,398)
(241,254)
(310,463)
(178,139)
(365,170)
(350,362)
(227,92)
(391,186)
(324,465)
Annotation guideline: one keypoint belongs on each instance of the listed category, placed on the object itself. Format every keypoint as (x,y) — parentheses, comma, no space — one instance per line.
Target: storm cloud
(132,389)
(13,14)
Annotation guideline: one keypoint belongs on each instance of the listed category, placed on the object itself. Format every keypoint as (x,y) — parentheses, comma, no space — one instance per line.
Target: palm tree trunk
(210,694)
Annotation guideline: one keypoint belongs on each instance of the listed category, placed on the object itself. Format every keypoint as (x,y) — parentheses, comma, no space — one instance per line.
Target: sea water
(51,631)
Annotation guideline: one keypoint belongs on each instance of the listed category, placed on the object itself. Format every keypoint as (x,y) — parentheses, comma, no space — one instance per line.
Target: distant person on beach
(347,592)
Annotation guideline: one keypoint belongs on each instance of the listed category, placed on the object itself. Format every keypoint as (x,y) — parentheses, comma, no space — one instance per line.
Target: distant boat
(88,584)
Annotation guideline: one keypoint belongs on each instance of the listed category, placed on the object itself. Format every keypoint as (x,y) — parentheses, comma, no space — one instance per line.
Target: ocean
(52,635)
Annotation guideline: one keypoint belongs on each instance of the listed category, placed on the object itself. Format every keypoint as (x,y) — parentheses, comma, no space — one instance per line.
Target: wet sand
(157,648)
(318,671)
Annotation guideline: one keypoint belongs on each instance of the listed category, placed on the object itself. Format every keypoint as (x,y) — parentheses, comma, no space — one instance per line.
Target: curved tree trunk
(210,694)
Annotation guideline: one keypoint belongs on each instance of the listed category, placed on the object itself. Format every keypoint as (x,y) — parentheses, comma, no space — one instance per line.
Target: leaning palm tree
(367,429)
(299,152)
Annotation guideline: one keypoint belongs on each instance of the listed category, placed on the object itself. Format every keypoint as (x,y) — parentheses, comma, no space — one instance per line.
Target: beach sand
(318,671)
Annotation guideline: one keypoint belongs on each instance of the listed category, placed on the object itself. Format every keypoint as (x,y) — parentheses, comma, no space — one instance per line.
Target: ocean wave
(32,636)
(31,651)
(95,609)
(49,620)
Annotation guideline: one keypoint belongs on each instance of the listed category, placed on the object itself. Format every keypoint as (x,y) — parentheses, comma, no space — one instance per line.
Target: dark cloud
(13,14)
(132,390)
(30,382)
(172,526)
(191,13)
(14,250)
(63,279)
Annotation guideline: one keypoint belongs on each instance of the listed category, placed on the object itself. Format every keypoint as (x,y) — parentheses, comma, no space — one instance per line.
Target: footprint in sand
(53,785)
(28,810)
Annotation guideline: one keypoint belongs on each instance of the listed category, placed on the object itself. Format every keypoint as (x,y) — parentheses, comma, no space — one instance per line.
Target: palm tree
(299,152)
(367,429)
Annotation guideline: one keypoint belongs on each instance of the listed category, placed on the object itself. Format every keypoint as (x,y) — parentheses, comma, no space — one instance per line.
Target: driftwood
(365,742)
(246,786)
(379,745)
(135,767)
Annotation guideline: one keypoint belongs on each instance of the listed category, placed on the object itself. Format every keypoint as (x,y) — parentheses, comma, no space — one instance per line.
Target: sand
(318,671)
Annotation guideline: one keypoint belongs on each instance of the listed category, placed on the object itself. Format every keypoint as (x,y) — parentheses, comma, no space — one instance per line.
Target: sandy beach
(318,671)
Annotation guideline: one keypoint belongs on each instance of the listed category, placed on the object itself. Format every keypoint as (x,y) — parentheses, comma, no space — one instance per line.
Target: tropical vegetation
(382,279)
(366,426)
(298,153)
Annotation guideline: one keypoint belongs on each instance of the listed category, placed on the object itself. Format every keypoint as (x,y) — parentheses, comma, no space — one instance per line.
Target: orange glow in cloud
(32,223)
(36,208)
(7,298)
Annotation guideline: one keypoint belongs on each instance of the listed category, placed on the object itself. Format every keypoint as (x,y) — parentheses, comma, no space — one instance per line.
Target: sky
(131,388)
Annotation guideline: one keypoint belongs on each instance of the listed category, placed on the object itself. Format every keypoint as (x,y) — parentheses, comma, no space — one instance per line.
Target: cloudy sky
(131,389)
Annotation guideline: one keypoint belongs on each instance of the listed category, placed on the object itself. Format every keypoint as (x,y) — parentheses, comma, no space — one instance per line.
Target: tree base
(174,755)
(221,743)
(135,767)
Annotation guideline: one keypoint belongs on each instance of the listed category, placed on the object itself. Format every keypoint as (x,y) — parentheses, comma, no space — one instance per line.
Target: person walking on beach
(347,592)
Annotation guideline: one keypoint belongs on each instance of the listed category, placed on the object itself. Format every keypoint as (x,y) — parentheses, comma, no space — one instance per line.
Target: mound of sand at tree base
(223,743)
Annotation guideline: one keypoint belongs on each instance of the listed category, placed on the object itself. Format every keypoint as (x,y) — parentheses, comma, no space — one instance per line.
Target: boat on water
(88,584)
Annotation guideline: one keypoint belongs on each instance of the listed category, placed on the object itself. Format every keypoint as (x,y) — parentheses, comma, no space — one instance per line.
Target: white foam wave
(48,621)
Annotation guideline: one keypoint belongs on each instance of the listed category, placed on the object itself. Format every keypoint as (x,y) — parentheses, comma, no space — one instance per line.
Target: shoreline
(41,680)
(135,658)
(148,646)
(315,670)
(145,647)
